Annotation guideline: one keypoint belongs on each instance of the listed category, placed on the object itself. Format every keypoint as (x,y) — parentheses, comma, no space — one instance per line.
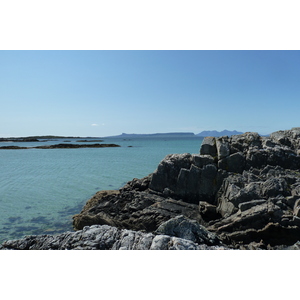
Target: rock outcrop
(239,192)
(105,237)
(244,188)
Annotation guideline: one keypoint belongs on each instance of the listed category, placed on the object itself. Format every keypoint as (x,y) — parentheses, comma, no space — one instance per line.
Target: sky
(104,92)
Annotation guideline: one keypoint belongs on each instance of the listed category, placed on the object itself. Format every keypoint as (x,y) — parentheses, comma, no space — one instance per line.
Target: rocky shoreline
(239,192)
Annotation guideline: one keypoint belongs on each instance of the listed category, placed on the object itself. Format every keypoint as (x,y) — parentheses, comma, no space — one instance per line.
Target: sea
(41,189)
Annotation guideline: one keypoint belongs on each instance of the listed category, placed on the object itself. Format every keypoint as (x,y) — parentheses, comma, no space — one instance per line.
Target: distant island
(61,146)
(35,138)
(45,138)
(215,133)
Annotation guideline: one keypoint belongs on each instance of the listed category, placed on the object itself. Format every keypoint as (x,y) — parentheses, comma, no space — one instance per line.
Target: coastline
(239,192)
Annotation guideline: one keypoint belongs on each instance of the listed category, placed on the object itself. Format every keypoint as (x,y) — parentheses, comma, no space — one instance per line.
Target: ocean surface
(41,189)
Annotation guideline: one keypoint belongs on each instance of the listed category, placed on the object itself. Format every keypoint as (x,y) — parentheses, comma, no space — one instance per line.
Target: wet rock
(133,210)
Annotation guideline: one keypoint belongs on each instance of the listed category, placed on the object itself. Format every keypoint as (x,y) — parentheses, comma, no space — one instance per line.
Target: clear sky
(102,93)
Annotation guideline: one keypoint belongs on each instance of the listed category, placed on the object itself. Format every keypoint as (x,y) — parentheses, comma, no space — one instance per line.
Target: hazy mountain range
(179,134)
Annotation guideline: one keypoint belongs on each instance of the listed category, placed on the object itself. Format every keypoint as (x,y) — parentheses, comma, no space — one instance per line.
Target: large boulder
(188,229)
(208,146)
(188,177)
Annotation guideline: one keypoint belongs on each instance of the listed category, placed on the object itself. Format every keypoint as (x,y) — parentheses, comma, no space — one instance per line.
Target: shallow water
(41,189)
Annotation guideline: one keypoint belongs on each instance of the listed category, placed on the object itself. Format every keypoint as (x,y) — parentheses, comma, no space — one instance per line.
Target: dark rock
(185,228)
(75,146)
(208,146)
(223,149)
(12,148)
(63,146)
(133,210)
(208,212)
(165,176)
(234,163)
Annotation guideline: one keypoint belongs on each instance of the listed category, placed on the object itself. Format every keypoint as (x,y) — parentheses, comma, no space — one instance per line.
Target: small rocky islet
(60,146)
(239,192)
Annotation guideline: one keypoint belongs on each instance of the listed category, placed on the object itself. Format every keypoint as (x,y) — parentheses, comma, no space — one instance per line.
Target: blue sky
(102,93)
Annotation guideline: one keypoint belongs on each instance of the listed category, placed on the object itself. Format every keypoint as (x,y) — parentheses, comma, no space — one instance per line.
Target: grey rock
(208,146)
(223,148)
(201,160)
(104,237)
(234,163)
(188,229)
(166,174)
(247,205)
(274,186)
(297,208)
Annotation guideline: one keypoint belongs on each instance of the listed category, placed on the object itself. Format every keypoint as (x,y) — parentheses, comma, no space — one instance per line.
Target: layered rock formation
(240,192)
(244,188)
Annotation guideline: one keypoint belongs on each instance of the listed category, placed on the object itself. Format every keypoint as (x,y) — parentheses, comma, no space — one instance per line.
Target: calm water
(40,190)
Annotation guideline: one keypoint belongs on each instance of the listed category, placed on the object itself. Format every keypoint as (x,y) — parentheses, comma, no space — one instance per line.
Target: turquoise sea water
(41,189)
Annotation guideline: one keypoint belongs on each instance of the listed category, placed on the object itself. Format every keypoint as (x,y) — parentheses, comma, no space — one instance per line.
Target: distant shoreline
(61,146)
(44,138)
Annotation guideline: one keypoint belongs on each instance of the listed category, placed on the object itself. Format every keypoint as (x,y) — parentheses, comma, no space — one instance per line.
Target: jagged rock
(104,237)
(197,184)
(234,163)
(133,210)
(208,146)
(168,170)
(202,160)
(241,183)
(296,211)
(187,229)
(138,184)
(247,205)
(223,148)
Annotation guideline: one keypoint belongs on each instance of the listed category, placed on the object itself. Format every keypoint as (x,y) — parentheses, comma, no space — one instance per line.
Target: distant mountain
(218,133)
(170,134)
